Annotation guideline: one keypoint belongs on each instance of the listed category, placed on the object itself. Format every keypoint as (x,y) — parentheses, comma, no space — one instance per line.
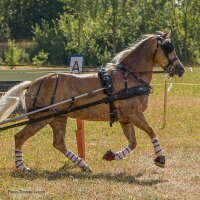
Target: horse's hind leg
(140,121)
(21,137)
(128,129)
(59,129)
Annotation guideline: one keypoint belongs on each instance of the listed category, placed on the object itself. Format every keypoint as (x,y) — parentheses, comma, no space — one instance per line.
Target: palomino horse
(138,60)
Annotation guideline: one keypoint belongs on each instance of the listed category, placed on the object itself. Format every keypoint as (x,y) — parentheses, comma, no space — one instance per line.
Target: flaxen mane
(123,54)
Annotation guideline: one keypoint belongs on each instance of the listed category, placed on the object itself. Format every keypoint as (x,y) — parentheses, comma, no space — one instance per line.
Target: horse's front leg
(129,132)
(140,121)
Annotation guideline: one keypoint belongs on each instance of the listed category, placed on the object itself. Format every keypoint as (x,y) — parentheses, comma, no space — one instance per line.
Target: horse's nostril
(181,72)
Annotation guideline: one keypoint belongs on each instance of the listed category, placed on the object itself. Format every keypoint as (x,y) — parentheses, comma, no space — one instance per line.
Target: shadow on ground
(63,173)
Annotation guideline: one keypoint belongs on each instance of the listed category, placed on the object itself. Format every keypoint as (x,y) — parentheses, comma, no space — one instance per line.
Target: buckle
(126,73)
(170,69)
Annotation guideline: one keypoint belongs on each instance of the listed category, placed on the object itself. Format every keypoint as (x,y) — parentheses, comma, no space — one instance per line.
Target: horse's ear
(166,35)
(160,33)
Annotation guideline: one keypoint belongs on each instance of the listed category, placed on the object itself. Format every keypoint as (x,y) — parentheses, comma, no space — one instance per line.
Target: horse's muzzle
(179,70)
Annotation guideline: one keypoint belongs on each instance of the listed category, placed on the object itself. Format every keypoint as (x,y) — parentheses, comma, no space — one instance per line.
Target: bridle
(167,48)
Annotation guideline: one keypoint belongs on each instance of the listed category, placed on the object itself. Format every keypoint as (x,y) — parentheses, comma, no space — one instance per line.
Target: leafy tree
(51,40)
(13,54)
(41,58)
(23,14)
(99,28)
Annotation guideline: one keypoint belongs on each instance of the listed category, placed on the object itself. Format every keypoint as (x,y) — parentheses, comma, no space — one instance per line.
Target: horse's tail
(12,98)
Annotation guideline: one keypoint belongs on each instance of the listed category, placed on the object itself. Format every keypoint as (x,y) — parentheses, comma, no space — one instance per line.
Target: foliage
(13,54)
(51,40)
(1,61)
(41,58)
(19,16)
(99,29)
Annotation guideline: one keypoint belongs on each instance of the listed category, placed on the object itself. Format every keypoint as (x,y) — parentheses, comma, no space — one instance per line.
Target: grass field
(135,177)
(26,74)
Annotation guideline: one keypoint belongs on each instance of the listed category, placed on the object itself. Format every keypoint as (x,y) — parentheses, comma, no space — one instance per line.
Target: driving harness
(106,81)
(123,94)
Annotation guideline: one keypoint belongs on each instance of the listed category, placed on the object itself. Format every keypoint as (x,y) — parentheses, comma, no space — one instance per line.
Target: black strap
(55,89)
(113,113)
(35,100)
(158,42)
(125,73)
(106,81)
(135,75)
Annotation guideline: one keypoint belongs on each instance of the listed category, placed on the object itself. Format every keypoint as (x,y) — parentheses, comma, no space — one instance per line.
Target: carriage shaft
(51,106)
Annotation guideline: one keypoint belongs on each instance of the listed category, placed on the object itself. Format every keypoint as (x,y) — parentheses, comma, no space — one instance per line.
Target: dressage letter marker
(76,63)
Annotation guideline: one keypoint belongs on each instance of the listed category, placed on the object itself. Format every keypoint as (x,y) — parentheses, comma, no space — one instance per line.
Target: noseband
(167,48)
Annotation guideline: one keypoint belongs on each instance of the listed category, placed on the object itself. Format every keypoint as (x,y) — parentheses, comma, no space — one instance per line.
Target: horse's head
(166,57)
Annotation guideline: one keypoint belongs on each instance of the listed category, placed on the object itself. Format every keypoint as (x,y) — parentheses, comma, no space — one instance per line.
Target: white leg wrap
(19,160)
(76,160)
(158,150)
(123,153)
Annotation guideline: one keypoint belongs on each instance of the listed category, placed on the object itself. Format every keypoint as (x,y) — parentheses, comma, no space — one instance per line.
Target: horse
(133,66)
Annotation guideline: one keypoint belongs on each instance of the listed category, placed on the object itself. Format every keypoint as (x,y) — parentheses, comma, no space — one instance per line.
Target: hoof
(160,161)
(25,169)
(109,155)
(87,169)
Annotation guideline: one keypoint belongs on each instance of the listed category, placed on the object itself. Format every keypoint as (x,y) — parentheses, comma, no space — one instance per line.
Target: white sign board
(76,64)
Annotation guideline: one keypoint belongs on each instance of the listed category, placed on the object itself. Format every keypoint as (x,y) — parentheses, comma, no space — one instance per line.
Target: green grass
(31,73)
(135,177)
(26,74)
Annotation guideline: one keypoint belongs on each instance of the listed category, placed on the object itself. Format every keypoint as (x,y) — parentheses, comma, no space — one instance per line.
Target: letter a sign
(76,64)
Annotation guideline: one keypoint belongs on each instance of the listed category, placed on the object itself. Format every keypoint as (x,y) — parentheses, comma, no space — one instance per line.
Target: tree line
(54,30)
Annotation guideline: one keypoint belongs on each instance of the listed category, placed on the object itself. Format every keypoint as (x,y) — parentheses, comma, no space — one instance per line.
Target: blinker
(168,47)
